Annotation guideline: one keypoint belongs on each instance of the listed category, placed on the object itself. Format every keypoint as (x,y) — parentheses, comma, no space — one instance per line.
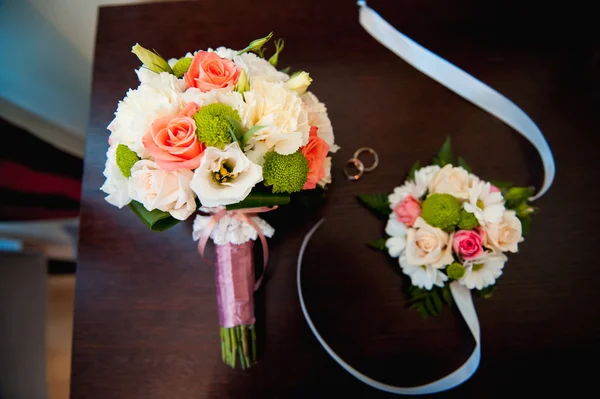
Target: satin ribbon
(244,215)
(487,99)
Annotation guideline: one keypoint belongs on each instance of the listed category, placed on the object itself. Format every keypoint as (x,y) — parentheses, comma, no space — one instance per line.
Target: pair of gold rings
(355,163)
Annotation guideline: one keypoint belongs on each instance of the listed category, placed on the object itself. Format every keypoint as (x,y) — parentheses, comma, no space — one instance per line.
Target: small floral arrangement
(446,224)
(224,132)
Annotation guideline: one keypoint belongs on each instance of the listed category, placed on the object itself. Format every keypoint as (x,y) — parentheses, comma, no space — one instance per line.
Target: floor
(59,334)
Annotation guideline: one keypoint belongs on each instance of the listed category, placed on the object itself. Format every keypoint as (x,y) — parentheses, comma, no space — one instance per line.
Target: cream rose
(166,191)
(505,235)
(451,180)
(428,246)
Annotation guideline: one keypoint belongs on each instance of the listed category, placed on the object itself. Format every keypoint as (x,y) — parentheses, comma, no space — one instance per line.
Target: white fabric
(489,100)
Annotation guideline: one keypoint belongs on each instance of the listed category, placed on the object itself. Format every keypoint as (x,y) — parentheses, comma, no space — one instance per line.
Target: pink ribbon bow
(244,215)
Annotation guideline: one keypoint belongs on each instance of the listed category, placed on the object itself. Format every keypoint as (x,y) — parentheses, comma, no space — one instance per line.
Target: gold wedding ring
(356,163)
(359,167)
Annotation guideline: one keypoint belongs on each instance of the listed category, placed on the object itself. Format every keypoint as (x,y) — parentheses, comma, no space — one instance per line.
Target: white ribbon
(487,99)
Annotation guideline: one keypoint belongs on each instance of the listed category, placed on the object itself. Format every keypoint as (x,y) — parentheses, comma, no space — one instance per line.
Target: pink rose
(408,210)
(209,71)
(172,141)
(494,189)
(315,153)
(468,243)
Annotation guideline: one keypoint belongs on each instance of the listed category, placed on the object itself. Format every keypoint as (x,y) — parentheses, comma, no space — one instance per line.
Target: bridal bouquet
(226,133)
(446,224)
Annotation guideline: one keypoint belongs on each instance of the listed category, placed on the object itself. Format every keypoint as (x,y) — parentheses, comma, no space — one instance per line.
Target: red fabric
(20,178)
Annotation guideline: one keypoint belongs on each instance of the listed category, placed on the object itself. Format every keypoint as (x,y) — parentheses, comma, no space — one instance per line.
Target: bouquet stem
(235,300)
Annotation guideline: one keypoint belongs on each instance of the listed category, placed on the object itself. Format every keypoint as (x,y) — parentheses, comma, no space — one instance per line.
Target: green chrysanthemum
(441,210)
(213,126)
(125,159)
(455,271)
(286,173)
(468,221)
(182,66)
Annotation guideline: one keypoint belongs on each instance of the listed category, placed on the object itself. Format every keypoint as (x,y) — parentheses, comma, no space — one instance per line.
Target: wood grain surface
(145,309)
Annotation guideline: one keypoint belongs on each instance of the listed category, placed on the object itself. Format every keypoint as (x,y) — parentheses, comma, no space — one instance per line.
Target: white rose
(158,95)
(427,245)
(317,116)
(116,185)
(506,235)
(158,189)
(225,176)
(450,180)
(282,115)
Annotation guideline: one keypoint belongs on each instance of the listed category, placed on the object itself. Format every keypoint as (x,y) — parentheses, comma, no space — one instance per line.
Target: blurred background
(46,56)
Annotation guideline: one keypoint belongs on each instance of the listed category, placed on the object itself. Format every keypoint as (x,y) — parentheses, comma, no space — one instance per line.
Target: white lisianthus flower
(230,229)
(428,245)
(225,176)
(416,188)
(487,206)
(282,115)
(158,95)
(158,189)
(397,232)
(317,116)
(327,169)
(116,185)
(483,271)
(452,180)
(505,235)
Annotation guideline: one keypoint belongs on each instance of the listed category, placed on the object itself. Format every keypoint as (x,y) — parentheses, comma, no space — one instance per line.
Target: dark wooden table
(145,314)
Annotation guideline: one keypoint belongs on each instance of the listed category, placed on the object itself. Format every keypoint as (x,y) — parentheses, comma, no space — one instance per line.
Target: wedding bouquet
(226,133)
(446,224)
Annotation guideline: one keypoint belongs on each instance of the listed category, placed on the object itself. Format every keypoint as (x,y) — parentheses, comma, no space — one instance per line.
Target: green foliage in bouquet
(441,211)
(286,173)
(214,125)
(182,66)
(125,159)
(155,220)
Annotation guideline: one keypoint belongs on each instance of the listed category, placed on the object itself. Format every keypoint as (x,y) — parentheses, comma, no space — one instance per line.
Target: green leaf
(232,134)
(249,133)
(444,157)
(182,66)
(378,244)
(155,220)
(237,128)
(463,164)
(519,193)
(151,59)
(286,69)
(447,295)
(378,203)
(260,199)
(430,306)
(437,302)
(415,166)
